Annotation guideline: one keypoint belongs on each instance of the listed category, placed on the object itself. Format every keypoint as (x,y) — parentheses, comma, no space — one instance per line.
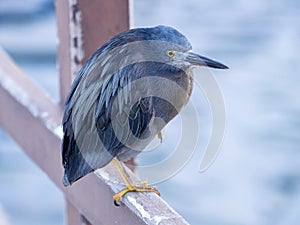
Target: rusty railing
(82,27)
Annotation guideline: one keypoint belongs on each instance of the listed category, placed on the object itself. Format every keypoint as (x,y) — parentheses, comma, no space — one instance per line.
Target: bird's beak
(199,60)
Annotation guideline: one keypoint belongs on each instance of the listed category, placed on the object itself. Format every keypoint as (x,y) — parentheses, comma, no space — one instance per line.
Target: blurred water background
(256,177)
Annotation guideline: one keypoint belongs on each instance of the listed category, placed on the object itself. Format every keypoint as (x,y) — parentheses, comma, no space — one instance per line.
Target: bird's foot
(142,187)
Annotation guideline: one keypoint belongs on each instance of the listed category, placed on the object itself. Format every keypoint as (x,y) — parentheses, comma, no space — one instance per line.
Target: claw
(116,203)
(143,188)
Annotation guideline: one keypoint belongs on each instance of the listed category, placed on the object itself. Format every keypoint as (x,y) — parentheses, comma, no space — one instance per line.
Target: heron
(123,96)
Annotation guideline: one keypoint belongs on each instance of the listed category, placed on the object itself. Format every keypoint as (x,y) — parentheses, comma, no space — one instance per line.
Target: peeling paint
(146,216)
(55,128)
(165,217)
(140,208)
(103,174)
(76,48)
(111,181)
(59,131)
(158,219)
(152,209)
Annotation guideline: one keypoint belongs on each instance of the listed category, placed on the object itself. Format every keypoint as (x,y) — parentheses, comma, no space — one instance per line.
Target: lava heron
(122,97)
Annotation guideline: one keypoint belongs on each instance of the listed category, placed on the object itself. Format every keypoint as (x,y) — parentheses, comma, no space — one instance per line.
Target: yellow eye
(170,54)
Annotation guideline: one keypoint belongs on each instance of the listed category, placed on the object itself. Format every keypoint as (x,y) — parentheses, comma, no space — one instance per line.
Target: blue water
(256,177)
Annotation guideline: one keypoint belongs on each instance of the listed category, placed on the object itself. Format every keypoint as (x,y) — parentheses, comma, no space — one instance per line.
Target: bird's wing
(124,110)
(80,141)
(90,139)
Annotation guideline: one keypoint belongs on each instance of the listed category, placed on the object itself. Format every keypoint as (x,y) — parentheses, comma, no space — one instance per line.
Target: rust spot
(75,10)
(75,42)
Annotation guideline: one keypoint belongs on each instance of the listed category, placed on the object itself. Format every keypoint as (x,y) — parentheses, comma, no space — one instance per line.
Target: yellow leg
(144,187)
(122,172)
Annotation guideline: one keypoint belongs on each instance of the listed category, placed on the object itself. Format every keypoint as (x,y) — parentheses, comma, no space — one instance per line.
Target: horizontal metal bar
(33,120)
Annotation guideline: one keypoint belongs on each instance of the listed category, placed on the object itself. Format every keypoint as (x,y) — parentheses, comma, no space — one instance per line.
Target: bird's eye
(170,54)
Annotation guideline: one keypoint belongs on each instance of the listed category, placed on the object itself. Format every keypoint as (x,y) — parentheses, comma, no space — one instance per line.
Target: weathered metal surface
(101,20)
(74,217)
(63,50)
(82,27)
(150,208)
(32,119)
(23,106)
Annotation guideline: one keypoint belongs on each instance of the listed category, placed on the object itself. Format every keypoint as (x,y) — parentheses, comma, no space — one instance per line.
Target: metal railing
(30,116)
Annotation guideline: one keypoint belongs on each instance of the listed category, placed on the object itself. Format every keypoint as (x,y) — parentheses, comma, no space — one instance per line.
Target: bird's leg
(143,187)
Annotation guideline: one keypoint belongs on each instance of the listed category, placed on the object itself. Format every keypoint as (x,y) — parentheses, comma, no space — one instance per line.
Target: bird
(123,96)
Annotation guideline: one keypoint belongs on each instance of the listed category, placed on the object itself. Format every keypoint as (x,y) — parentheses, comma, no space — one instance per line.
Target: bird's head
(175,49)
(160,44)
(187,59)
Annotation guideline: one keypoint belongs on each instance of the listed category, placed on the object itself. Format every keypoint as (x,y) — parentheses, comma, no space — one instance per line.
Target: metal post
(82,27)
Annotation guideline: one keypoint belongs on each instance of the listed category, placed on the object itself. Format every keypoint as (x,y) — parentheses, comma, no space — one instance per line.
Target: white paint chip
(58,131)
(139,207)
